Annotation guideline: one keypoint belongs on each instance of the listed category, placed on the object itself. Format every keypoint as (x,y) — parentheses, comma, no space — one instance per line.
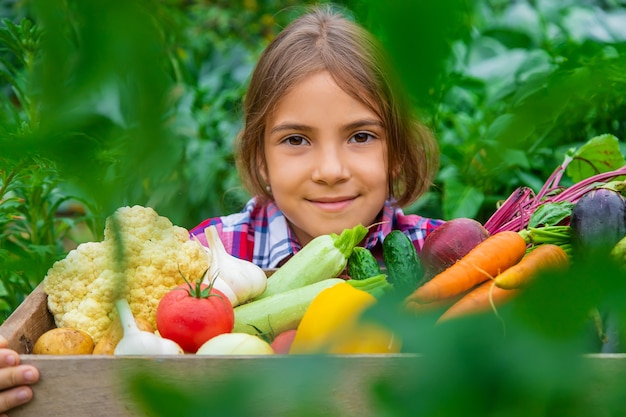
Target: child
(14,378)
(329,142)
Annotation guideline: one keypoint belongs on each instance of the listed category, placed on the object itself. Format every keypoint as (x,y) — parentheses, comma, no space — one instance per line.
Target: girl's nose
(331,166)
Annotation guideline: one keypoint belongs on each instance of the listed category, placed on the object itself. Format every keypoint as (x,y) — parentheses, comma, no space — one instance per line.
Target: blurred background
(107,103)
(119,102)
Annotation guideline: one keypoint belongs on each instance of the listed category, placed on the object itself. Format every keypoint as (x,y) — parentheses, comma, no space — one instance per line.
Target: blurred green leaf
(600,154)
(419,36)
(462,200)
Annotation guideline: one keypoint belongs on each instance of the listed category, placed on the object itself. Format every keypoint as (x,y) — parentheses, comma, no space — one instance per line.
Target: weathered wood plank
(93,386)
(29,321)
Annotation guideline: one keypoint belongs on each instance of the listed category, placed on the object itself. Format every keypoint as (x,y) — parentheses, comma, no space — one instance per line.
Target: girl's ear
(262,168)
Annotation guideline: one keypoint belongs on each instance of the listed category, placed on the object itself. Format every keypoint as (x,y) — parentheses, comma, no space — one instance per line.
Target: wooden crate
(92,386)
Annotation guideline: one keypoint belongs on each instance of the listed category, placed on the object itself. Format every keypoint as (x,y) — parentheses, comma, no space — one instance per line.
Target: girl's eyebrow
(363,123)
(304,128)
(289,126)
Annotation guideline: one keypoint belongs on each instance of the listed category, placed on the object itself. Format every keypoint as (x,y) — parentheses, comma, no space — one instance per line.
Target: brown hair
(325,40)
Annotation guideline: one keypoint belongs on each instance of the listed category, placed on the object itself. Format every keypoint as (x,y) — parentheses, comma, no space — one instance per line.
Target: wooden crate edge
(29,321)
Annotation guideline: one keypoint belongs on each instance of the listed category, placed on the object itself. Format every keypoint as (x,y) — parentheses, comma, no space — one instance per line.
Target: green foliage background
(121,102)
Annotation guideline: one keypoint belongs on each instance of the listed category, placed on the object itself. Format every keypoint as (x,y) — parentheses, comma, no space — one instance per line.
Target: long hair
(326,40)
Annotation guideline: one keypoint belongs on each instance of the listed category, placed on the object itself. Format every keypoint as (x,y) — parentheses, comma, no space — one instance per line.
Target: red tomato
(191,320)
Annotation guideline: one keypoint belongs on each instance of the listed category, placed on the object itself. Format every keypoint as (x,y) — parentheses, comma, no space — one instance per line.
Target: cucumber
(362,264)
(279,312)
(404,268)
(597,223)
(376,285)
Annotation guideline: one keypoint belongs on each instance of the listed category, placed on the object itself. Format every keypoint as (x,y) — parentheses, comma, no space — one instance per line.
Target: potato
(64,341)
(110,339)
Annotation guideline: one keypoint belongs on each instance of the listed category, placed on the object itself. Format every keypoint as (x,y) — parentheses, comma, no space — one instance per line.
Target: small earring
(268,188)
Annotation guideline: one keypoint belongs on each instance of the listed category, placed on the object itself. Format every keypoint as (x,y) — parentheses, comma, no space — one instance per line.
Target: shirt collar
(274,240)
(382,227)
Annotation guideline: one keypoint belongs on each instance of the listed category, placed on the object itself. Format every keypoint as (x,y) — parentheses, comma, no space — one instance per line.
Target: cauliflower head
(83,287)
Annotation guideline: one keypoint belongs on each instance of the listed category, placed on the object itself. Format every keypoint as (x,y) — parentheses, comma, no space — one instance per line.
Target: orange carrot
(416,308)
(542,258)
(481,299)
(486,260)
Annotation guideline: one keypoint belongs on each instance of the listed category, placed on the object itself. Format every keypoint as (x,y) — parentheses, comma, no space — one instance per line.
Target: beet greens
(516,211)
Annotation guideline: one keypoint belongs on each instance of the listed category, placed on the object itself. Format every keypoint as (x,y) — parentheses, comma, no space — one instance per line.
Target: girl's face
(326,159)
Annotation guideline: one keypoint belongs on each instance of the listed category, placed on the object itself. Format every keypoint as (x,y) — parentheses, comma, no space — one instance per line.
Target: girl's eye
(362,137)
(295,140)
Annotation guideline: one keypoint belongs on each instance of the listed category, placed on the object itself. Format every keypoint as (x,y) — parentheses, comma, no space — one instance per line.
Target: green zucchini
(324,257)
(279,312)
(404,268)
(362,264)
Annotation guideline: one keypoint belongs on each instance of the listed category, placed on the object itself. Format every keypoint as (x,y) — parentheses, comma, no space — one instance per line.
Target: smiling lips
(333,204)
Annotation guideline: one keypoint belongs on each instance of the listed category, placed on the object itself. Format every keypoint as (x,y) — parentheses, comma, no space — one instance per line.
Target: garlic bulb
(140,342)
(244,278)
(220,284)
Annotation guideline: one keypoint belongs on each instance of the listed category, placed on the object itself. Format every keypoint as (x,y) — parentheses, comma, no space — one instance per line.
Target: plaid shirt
(261,234)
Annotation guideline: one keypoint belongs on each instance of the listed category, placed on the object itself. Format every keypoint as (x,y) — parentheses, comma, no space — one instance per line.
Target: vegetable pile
(148,289)
(530,236)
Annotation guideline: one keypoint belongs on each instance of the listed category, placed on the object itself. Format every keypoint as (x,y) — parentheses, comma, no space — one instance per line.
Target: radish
(450,242)
(282,342)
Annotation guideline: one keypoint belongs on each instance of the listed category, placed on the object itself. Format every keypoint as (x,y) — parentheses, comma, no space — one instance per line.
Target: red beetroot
(450,242)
